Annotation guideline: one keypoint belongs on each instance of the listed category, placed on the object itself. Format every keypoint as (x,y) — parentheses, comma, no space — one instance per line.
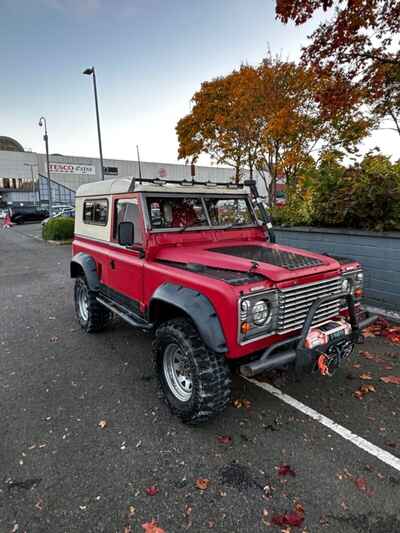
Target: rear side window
(95,212)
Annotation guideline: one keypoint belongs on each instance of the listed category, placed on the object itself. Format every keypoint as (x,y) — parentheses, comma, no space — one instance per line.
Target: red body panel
(139,277)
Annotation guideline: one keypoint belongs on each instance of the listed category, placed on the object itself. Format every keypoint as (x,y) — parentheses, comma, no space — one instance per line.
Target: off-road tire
(97,315)
(211,380)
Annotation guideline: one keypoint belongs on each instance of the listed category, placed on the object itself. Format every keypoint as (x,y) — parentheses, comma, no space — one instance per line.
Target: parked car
(66,212)
(60,207)
(22,214)
(214,294)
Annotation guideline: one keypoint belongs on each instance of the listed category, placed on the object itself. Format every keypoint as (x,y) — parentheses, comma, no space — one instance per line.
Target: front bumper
(293,350)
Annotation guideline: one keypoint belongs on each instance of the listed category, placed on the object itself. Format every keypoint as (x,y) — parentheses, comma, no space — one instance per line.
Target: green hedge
(363,196)
(59,229)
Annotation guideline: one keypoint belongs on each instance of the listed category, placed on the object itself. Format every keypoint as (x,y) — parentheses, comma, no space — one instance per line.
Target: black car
(22,214)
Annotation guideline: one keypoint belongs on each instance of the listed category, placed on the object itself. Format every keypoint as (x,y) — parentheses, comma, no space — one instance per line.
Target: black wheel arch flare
(84,262)
(198,308)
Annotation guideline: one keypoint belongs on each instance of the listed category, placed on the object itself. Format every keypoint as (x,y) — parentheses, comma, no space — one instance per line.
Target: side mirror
(126,233)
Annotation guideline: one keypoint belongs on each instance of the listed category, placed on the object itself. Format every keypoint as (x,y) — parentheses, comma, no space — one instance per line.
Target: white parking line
(368,447)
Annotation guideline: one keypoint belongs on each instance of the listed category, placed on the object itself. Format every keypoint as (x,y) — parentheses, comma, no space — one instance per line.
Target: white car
(65,212)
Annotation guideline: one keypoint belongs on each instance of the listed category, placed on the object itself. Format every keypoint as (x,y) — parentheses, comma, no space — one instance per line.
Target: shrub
(59,229)
(364,196)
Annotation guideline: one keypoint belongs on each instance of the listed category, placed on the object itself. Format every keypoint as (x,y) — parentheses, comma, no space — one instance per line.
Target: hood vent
(289,260)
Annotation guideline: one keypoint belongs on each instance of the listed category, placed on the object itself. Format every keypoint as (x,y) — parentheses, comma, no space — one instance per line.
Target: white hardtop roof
(121,186)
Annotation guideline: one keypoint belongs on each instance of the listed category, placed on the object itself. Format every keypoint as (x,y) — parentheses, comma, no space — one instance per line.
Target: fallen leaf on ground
(299,508)
(395,380)
(224,439)
(202,484)
(152,491)
(289,519)
(367,355)
(152,527)
(242,403)
(286,470)
(362,485)
(365,376)
(102,424)
(363,390)
(39,504)
(383,328)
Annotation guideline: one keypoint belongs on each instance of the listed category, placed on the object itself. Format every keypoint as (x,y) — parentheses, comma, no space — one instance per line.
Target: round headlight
(261,312)
(345,285)
(360,276)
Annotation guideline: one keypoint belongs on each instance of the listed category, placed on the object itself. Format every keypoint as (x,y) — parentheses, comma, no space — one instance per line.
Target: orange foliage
(267,118)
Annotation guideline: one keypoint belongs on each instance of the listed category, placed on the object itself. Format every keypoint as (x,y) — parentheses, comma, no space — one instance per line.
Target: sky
(150,57)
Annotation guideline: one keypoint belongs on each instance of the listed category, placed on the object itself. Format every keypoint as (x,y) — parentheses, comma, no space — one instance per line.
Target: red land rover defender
(193,264)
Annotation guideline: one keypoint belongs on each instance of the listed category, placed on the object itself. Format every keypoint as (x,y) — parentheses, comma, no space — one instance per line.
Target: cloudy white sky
(150,57)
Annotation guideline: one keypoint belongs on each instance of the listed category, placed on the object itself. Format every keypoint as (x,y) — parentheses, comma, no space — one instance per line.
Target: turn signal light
(245,328)
(358,292)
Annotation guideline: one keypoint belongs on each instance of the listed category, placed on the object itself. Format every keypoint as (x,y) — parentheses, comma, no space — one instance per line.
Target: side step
(130,317)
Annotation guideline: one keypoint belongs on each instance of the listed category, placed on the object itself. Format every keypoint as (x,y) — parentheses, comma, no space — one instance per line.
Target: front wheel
(195,381)
(92,316)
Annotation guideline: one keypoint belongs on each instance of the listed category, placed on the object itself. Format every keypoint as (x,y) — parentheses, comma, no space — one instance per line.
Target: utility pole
(42,121)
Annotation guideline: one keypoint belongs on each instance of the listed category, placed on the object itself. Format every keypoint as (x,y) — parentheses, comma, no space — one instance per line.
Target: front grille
(295,302)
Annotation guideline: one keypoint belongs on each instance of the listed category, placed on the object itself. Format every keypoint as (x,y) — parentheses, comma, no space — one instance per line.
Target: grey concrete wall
(379,254)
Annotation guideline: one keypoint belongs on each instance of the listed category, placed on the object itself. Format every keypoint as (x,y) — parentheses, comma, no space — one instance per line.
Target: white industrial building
(23,175)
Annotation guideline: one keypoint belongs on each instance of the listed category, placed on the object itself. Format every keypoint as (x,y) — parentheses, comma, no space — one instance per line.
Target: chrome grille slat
(310,285)
(299,301)
(317,316)
(302,311)
(310,290)
(295,302)
(317,320)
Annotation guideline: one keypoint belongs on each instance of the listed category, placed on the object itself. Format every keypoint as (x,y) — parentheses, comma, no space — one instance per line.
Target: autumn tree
(222,122)
(359,43)
(267,118)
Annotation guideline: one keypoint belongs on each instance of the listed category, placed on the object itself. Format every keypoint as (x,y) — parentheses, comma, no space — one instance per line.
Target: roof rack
(184,183)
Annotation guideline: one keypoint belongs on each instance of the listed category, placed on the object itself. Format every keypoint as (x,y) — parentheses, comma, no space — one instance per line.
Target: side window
(95,212)
(127,210)
(87,212)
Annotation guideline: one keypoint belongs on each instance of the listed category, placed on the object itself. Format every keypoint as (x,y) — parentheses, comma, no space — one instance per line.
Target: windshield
(173,212)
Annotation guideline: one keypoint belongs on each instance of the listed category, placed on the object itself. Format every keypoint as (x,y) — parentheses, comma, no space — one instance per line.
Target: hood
(273,261)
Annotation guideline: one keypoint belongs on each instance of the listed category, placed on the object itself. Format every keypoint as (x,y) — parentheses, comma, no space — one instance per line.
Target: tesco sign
(70,168)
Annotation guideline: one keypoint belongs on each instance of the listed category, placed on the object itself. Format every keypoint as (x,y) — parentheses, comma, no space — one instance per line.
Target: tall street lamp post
(42,121)
(88,72)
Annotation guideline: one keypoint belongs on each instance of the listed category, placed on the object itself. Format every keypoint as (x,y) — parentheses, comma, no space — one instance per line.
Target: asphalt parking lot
(60,471)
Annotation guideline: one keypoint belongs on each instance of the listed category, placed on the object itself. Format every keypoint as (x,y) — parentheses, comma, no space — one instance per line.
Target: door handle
(112,264)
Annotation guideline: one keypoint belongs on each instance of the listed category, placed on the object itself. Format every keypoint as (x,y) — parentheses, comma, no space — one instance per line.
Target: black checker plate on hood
(288,260)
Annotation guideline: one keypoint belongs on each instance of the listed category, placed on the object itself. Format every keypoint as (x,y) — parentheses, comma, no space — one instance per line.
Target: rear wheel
(195,381)
(91,314)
